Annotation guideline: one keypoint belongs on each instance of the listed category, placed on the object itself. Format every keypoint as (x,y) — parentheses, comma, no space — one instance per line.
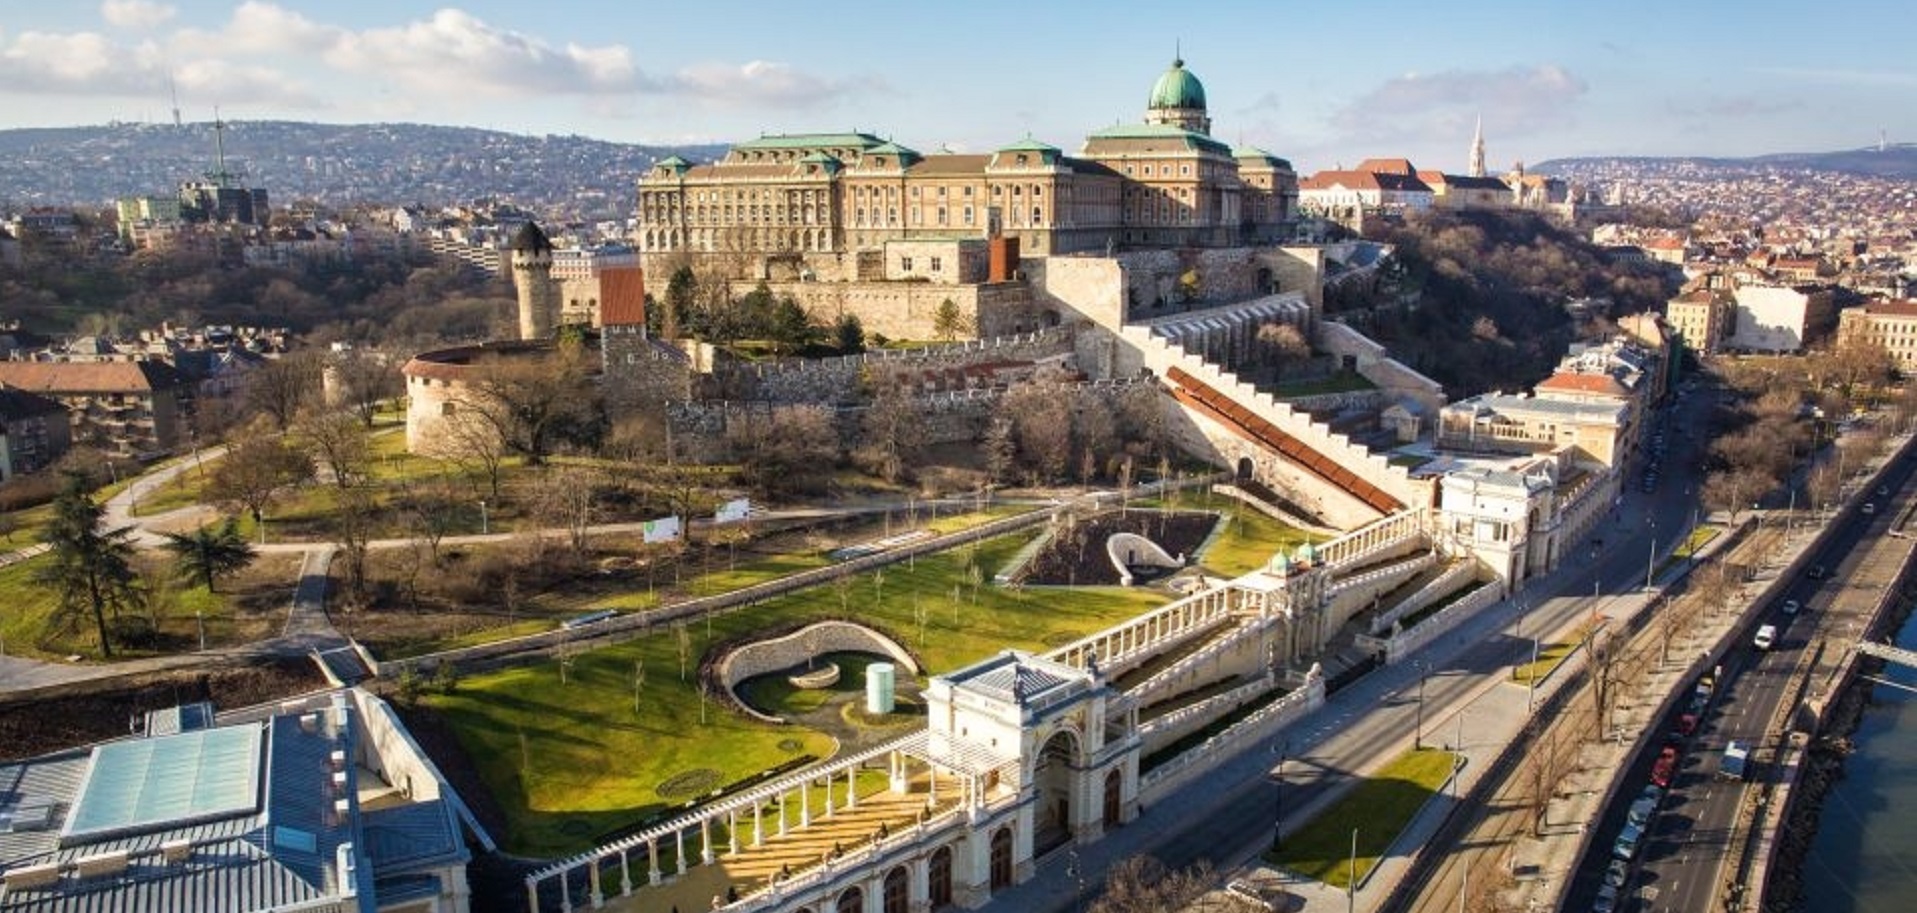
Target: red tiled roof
(1902,307)
(622,296)
(1400,167)
(1583,383)
(90,376)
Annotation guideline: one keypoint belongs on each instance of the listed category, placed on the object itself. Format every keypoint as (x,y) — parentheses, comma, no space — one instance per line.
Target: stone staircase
(1259,417)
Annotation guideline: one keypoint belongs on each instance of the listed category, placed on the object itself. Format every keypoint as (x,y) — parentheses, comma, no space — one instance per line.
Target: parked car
(1735,762)
(1618,873)
(1791,606)
(1818,572)
(1627,840)
(1870,507)
(1766,637)
(1665,768)
(1686,723)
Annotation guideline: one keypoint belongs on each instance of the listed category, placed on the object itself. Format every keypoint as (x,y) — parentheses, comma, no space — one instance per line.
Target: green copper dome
(1177,89)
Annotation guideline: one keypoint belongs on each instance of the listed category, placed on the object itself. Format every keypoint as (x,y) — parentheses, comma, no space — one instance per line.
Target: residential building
(1893,324)
(1615,372)
(1780,318)
(1701,318)
(34,432)
(1504,423)
(1348,196)
(1455,191)
(127,408)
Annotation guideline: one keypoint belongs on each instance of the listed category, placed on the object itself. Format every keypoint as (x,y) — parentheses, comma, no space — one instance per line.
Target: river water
(1864,858)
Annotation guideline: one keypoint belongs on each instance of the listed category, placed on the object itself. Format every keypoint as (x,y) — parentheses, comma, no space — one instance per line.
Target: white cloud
(762,83)
(456,52)
(224,83)
(135,14)
(1442,106)
(445,61)
(76,63)
(259,28)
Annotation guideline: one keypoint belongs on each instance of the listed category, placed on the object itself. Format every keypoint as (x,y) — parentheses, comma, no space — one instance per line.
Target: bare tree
(283,387)
(1142,884)
(790,450)
(255,469)
(535,404)
(362,379)
(893,434)
(1284,343)
(338,444)
(564,498)
(471,442)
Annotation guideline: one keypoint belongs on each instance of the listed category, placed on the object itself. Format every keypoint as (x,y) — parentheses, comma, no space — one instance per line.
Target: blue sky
(1319,83)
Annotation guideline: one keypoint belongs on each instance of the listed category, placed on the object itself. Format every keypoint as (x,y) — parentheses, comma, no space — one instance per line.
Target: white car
(1766,636)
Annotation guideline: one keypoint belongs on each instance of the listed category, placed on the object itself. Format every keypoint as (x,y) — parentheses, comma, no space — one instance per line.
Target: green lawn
(23,621)
(567,762)
(1377,809)
(1549,656)
(1249,538)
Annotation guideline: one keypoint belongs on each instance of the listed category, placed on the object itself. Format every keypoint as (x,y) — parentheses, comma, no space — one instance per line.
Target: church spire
(1477,149)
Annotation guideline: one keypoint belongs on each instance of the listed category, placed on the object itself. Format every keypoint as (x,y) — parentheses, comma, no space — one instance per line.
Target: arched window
(897,894)
(938,877)
(852,901)
(1002,858)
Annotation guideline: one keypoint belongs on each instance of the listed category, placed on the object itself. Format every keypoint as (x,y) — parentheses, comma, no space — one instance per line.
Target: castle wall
(639,375)
(909,309)
(829,380)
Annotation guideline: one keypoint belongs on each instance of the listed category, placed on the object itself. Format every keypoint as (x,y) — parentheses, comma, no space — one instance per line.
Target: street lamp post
(485,525)
(1278,822)
(1417,734)
(1351,886)
(1076,872)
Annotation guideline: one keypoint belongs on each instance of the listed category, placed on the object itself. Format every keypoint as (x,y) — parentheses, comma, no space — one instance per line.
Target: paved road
(1227,817)
(1698,831)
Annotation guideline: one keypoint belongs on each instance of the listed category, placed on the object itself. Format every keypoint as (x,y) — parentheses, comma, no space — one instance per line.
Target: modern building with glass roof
(323,806)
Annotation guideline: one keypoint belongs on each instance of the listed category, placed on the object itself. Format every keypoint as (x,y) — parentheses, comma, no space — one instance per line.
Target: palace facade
(1164,182)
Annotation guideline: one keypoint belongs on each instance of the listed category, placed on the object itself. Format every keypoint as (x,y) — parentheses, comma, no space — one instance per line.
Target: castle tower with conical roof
(532,277)
(1178,99)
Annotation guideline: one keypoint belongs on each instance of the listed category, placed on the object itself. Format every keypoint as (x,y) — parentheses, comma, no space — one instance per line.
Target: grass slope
(569,762)
(1378,809)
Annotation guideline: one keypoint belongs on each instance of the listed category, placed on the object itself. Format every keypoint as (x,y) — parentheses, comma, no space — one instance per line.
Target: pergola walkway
(800,850)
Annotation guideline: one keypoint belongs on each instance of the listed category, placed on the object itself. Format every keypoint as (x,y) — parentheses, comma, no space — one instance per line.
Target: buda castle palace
(820,201)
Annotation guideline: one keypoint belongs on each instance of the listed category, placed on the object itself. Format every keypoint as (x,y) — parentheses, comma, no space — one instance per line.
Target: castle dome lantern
(1178,99)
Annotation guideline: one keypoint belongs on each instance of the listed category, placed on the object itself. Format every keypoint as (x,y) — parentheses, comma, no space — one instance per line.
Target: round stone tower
(532,277)
(1178,99)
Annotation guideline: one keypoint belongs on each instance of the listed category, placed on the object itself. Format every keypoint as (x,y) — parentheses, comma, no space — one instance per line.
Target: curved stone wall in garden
(763,656)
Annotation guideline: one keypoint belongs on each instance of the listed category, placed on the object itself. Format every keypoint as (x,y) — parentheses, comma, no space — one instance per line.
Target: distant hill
(1898,160)
(334,164)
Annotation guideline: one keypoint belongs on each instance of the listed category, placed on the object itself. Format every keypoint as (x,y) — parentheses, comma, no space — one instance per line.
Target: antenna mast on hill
(173,89)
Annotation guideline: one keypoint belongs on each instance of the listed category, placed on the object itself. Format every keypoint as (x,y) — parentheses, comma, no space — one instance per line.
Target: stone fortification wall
(950,417)
(1347,401)
(764,656)
(1375,364)
(845,379)
(909,310)
(1143,285)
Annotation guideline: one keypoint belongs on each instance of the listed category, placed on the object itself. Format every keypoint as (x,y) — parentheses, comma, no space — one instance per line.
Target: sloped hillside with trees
(1478,300)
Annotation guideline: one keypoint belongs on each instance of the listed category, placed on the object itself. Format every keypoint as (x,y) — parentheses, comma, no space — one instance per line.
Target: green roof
(1177,88)
(811,141)
(1028,144)
(673,161)
(1161,132)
